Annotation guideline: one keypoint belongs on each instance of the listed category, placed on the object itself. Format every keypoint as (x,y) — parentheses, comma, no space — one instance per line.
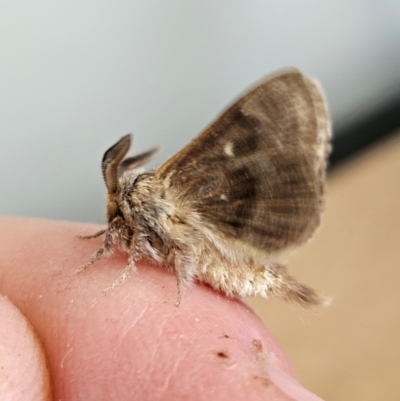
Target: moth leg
(104,250)
(174,260)
(95,235)
(179,282)
(96,256)
(130,266)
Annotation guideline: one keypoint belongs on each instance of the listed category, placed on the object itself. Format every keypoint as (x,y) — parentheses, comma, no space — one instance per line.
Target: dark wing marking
(257,173)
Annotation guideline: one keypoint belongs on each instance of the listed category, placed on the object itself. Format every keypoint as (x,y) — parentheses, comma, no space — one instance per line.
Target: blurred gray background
(75,76)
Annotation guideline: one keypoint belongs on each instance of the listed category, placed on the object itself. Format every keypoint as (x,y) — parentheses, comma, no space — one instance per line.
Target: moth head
(114,166)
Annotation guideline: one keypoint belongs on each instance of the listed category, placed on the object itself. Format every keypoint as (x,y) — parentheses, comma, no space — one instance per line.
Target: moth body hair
(229,208)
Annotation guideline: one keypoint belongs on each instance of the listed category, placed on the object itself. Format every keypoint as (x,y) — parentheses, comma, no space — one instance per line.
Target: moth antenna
(111,162)
(137,161)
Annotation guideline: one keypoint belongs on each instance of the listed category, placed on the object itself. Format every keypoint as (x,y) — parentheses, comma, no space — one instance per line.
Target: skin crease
(131,344)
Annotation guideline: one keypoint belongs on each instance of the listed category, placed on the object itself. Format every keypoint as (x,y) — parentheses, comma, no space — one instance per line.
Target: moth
(229,208)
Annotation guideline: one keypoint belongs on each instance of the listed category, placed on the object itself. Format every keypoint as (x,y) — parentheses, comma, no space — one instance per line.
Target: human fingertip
(23,371)
(290,388)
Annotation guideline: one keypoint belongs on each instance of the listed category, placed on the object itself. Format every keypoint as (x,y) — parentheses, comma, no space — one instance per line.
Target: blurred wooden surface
(351,350)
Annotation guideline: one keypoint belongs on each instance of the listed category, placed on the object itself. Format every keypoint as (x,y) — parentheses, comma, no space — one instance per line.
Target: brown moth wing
(257,173)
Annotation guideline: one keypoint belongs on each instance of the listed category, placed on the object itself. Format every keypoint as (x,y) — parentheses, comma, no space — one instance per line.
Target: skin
(62,338)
